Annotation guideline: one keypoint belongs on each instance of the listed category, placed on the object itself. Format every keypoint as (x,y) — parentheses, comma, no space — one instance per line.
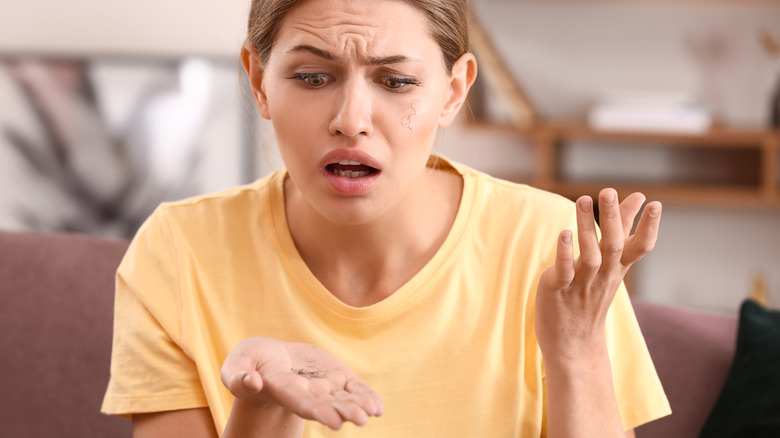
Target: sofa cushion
(57,293)
(692,352)
(749,405)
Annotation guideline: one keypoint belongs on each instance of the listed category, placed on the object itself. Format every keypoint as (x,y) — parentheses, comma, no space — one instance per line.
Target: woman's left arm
(572,301)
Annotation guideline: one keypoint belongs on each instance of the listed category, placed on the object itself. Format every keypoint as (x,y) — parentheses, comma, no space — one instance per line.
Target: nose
(353,110)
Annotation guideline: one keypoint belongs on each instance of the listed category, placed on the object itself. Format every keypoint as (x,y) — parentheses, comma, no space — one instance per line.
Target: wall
(148,103)
(140,28)
(567,53)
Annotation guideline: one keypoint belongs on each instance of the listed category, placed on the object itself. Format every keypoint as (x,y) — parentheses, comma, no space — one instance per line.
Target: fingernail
(609,197)
(584,204)
(654,210)
(566,237)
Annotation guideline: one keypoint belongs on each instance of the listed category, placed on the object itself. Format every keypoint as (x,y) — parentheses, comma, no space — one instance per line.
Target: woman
(442,290)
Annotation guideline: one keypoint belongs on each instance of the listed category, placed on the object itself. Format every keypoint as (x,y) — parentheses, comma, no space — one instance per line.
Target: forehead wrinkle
(334,30)
(342,38)
(307,29)
(371,60)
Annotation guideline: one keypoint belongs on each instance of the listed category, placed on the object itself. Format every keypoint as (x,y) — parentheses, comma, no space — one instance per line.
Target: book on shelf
(650,112)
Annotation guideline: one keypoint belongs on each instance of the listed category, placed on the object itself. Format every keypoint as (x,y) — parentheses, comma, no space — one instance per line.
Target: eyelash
(306,76)
(403,82)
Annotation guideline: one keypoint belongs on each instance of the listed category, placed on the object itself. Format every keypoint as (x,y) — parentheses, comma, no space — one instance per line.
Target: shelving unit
(743,163)
(755,151)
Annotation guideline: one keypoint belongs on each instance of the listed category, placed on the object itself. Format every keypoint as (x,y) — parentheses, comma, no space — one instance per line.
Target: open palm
(305,379)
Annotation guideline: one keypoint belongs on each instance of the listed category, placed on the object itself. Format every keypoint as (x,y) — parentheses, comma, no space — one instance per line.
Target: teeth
(351,174)
(350,163)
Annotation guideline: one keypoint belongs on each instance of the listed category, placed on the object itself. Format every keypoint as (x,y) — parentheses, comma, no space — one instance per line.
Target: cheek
(410,114)
(418,118)
(292,138)
(293,121)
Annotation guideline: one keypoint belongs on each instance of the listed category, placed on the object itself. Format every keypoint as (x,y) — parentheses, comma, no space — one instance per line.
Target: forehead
(356,27)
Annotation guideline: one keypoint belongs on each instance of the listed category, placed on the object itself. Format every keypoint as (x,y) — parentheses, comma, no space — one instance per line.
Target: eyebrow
(373,60)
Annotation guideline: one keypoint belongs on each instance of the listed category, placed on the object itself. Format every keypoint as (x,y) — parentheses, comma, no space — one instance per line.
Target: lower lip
(351,186)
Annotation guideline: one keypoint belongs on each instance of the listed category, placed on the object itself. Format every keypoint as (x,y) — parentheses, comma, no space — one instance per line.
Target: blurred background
(108,108)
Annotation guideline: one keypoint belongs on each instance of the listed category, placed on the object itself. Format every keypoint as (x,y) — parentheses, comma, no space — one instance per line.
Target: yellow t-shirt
(451,353)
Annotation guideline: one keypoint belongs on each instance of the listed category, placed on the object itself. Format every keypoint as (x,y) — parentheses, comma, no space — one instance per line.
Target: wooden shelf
(759,146)
(717,136)
(723,167)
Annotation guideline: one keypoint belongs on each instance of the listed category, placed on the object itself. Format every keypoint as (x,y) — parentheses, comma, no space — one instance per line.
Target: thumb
(561,274)
(240,377)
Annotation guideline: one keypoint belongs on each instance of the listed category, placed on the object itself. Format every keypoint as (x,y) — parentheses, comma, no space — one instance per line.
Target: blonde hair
(448,25)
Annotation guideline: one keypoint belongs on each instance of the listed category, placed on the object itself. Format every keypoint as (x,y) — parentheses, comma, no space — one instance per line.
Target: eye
(313,80)
(398,83)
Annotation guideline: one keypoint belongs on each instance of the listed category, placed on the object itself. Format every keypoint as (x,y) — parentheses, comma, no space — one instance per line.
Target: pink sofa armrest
(57,295)
(692,353)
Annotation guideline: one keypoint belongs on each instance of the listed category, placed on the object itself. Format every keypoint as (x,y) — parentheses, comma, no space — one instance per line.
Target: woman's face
(356,91)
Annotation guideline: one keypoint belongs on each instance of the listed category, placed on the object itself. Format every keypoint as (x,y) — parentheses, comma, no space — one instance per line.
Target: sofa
(692,353)
(55,334)
(56,324)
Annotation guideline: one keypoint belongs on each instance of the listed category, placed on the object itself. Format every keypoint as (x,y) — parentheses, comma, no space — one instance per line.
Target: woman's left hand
(574,294)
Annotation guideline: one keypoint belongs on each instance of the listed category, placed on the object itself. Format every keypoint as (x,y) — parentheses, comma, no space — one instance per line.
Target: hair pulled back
(447,22)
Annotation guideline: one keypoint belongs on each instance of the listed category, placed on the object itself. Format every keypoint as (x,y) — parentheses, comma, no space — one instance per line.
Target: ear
(464,72)
(250,58)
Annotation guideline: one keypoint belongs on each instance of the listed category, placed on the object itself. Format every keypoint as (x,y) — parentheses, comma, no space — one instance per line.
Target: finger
(240,377)
(349,409)
(562,272)
(325,413)
(628,211)
(355,403)
(244,384)
(590,253)
(368,399)
(612,238)
(643,241)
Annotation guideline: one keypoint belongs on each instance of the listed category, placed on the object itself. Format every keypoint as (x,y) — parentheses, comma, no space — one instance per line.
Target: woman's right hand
(303,379)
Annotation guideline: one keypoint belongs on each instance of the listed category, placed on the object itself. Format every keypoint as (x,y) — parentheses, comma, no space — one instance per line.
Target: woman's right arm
(276,386)
(190,423)
(245,421)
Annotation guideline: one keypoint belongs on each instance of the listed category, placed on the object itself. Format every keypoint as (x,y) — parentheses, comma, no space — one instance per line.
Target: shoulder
(202,223)
(515,220)
(510,198)
(225,208)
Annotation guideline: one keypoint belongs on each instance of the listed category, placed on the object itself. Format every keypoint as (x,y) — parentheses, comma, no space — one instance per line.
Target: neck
(364,264)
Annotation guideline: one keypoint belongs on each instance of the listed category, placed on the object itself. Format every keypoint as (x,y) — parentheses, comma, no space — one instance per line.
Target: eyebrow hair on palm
(395,59)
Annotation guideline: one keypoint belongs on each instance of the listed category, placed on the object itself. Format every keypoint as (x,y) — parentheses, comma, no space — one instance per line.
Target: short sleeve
(150,372)
(638,389)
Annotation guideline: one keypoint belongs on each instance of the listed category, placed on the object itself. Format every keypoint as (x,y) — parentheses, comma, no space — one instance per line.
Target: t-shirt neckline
(408,294)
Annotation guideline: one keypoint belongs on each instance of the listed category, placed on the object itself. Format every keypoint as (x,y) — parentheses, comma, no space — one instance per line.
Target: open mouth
(350,169)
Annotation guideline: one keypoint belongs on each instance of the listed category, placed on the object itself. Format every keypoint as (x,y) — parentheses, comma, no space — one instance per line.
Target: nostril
(347,133)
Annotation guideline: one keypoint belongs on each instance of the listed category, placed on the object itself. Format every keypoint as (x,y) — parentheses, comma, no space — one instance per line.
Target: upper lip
(337,155)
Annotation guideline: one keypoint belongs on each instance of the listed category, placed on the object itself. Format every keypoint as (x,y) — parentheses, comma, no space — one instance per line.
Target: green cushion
(749,404)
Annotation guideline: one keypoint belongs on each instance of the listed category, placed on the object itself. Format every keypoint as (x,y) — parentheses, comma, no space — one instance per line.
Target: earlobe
(464,73)
(250,59)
